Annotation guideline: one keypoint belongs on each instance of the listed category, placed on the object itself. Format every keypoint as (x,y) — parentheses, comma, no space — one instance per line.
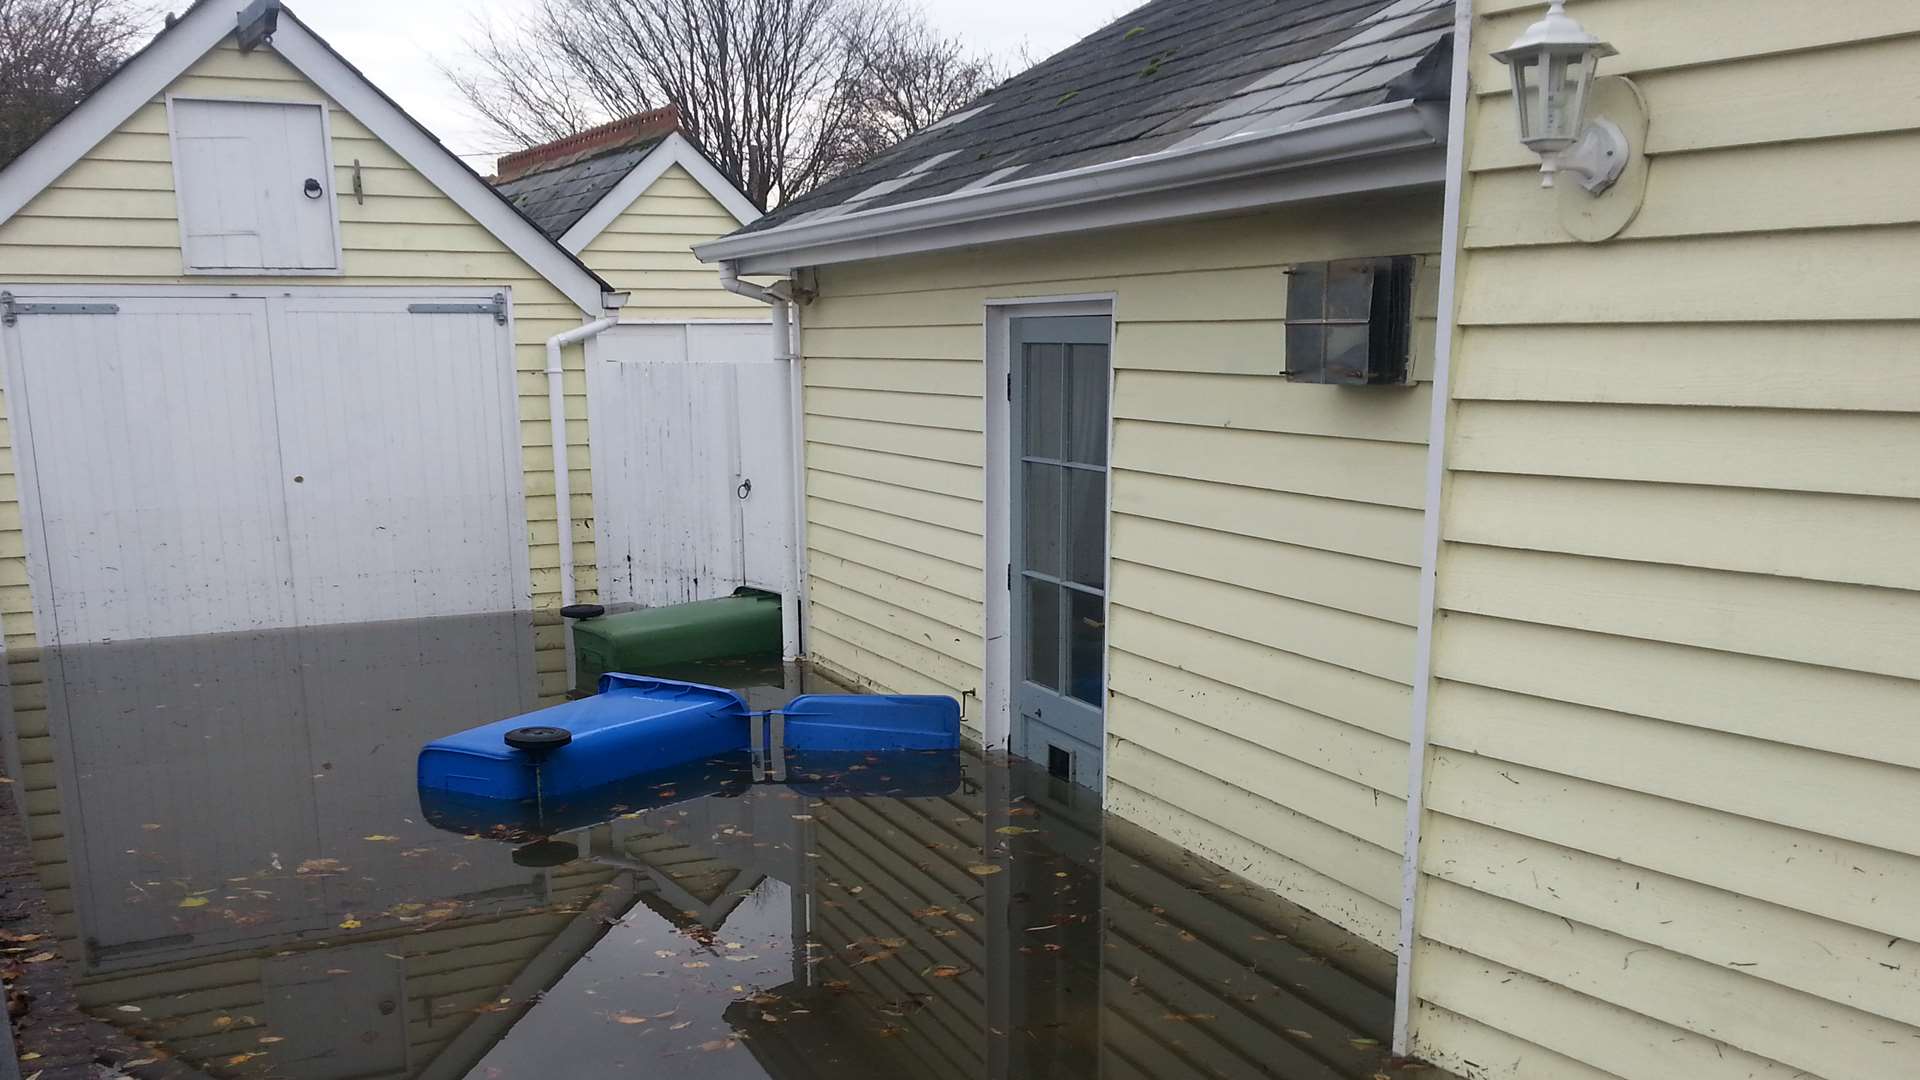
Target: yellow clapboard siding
(1865,366)
(1865,801)
(963,342)
(1389,534)
(1381,590)
(945,511)
(647,251)
(1265,403)
(1791,534)
(1496,1022)
(1386,474)
(1834,879)
(1874,454)
(943,607)
(1856,274)
(1315,867)
(1717,1003)
(954,578)
(939,477)
(1840,963)
(1784,98)
(933,444)
(953,378)
(1851,627)
(914,627)
(918,409)
(903,533)
(1866,716)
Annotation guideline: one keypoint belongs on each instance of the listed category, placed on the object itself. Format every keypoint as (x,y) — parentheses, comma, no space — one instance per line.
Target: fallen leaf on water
(1014,830)
(718,1044)
(320,866)
(338,971)
(194,901)
(350,923)
(628,1018)
(983,870)
(242,1059)
(1297,1033)
(961,916)
(803,817)
(223,1021)
(696,964)
(681,1024)
(930,912)
(39,958)
(663,953)
(32,1055)
(379,837)
(150,826)
(1187,1018)
(944,971)
(1364,1044)
(128,1008)
(271,1039)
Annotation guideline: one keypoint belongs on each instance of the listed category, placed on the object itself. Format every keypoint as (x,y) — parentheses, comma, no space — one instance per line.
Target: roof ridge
(614,134)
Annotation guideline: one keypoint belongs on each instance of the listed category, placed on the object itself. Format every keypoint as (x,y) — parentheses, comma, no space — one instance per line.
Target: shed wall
(1265,535)
(1672,823)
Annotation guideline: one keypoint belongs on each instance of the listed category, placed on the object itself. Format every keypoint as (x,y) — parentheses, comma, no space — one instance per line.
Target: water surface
(255,891)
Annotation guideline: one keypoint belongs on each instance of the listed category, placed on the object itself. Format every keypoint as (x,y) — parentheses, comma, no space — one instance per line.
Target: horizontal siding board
(1851,627)
(833,544)
(940,478)
(920,410)
(962,515)
(1866,716)
(1269,403)
(1385,533)
(1874,454)
(1382,473)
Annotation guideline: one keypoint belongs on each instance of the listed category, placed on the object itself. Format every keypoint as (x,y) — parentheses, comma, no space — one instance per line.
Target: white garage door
(195,465)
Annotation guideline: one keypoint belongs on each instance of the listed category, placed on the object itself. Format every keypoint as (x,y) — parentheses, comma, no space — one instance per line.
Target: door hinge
(497,308)
(11,309)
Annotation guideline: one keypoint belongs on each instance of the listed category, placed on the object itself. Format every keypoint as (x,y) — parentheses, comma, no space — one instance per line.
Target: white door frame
(997,693)
(39,575)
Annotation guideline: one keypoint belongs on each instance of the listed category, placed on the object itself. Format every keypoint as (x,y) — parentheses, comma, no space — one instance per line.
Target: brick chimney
(585,144)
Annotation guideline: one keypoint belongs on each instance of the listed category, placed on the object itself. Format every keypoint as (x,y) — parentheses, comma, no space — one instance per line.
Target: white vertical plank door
(689,463)
(241,169)
(400,444)
(152,470)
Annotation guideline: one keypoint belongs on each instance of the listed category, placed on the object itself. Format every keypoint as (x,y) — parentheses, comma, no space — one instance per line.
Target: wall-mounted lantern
(1553,67)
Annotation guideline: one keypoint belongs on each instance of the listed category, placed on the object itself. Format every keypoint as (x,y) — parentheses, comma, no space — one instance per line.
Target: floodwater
(256,889)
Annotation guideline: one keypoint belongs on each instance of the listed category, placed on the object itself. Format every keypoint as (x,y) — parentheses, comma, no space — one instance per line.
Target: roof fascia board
(141,80)
(306,52)
(673,150)
(1397,145)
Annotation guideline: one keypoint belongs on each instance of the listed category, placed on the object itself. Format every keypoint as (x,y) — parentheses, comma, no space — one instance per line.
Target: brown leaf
(983,869)
(1187,1018)
(39,958)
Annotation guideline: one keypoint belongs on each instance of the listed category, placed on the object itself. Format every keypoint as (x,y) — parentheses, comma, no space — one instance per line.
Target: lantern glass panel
(1526,91)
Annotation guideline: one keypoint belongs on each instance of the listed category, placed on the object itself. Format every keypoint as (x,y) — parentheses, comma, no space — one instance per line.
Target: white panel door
(689,461)
(151,469)
(242,171)
(399,440)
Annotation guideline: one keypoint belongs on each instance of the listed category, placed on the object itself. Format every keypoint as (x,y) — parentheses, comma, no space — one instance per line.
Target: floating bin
(744,624)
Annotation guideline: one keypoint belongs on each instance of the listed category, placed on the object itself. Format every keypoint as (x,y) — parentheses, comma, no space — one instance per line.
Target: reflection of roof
(1171,75)
(556,183)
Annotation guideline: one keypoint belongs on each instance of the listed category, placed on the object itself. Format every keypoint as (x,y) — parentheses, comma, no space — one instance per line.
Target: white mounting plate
(1595,218)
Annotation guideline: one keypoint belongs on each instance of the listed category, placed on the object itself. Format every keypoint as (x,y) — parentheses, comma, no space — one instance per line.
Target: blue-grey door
(1059,572)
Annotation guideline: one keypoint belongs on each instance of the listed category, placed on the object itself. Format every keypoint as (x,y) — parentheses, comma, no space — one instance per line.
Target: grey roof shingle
(556,198)
(1171,73)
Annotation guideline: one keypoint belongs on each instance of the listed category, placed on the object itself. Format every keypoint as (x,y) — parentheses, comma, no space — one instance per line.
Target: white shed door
(241,169)
(194,466)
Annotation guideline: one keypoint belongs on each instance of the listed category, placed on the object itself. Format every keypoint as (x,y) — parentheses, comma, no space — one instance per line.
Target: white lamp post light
(1553,71)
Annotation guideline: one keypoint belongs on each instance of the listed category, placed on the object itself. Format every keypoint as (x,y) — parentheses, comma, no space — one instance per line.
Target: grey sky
(395,43)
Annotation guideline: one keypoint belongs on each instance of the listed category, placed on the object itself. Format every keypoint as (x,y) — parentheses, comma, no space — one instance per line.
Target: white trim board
(147,75)
(673,150)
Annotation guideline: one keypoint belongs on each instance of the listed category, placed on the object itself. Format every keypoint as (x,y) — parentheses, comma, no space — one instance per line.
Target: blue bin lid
(623,699)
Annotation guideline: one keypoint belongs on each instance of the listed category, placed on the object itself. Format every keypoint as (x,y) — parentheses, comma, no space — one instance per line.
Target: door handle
(312,188)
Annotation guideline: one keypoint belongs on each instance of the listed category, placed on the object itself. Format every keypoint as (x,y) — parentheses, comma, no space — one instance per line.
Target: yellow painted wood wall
(1265,535)
(112,218)
(648,251)
(1675,784)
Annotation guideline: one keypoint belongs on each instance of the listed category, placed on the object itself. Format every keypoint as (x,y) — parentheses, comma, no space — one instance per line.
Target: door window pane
(1042,401)
(1043,633)
(1086,644)
(1087,404)
(1040,495)
(1087,528)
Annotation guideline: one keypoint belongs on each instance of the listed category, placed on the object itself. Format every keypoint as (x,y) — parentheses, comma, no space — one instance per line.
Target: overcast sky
(396,41)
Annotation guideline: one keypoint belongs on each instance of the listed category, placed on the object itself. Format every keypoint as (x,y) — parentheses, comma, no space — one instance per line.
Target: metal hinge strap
(497,308)
(11,309)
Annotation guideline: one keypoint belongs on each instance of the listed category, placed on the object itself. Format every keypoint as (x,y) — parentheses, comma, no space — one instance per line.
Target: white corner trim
(673,150)
(139,82)
(306,52)
(1436,477)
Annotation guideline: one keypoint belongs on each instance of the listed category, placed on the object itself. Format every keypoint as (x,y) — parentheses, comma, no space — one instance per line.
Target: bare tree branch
(782,94)
(52,52)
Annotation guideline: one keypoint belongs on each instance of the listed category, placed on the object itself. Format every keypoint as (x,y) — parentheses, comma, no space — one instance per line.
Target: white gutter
(1393,145)
(557,422)
(786,347)
(1430,543)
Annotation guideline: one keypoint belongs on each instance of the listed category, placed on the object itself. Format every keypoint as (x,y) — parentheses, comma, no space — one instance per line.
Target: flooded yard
(248,884)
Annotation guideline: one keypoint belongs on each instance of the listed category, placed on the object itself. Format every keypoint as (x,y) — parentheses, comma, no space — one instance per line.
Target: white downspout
(786,347)
(557,420)
(1436,476)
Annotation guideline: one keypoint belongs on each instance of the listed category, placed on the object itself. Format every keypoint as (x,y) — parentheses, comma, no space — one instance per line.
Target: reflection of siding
(451,972)
(884,847)
(1673,785)
(1265,534)
(112,218)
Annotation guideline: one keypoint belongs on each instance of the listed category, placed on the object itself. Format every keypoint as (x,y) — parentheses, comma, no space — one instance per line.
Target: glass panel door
(1059,573)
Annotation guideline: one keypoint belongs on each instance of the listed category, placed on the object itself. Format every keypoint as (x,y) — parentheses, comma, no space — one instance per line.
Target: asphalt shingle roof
(1172,73)
(556,198)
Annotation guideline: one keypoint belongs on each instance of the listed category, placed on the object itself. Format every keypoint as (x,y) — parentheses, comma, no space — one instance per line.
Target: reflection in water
(256,891)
